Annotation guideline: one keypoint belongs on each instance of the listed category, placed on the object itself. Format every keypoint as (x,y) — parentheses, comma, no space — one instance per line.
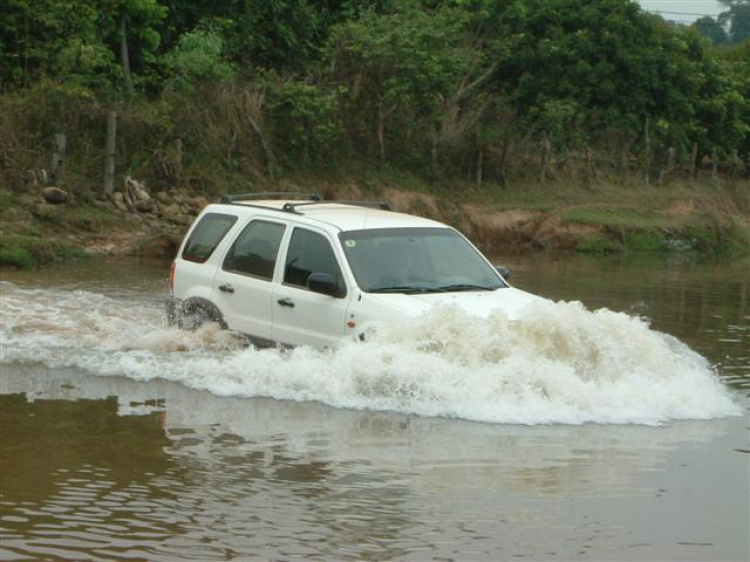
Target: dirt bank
(38,226)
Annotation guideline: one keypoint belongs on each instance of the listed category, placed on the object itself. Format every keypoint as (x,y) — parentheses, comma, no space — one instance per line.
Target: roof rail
(292,207)
(233,197)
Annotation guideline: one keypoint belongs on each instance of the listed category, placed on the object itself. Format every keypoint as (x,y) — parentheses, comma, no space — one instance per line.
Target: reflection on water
(108,468)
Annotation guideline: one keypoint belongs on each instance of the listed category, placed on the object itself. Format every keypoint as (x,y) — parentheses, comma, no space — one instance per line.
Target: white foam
(559,363)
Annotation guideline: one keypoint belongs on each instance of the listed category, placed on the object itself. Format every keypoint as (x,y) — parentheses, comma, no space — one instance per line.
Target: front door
(300,316)
(242,288)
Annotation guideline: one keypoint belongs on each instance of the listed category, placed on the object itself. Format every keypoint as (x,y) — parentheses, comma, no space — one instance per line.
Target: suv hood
(476,303)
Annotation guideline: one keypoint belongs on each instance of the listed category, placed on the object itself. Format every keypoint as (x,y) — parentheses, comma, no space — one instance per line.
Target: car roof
(342,216)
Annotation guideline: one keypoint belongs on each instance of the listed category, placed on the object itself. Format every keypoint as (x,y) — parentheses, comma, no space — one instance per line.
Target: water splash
(559,363)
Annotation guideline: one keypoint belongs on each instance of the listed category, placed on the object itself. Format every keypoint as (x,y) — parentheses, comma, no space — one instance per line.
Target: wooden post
(694,161)
(545,159)
(480,168)
(58,159)
(178,161)
(109,157)
(715,167)
(647,142)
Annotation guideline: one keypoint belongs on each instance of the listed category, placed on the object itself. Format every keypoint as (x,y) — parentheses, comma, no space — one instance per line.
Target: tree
(712,30)
(738,18)
(405,61)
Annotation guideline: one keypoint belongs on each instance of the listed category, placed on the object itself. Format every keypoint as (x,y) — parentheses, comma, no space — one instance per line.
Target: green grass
(599,245)
(28,252)
(20,258)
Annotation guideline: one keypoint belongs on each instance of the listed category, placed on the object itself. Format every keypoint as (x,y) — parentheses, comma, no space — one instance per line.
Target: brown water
(102,458)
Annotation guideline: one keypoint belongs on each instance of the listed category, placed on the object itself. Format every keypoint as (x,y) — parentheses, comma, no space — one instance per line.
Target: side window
(255,250)
(206,235)
(309,252)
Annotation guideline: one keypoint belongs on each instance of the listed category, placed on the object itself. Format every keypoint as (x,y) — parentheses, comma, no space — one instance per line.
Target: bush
(16,257)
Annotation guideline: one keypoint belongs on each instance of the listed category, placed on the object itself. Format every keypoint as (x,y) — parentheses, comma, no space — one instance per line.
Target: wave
(558,364)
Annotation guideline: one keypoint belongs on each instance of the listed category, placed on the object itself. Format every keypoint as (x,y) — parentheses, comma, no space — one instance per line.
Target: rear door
(243,285)
(300,316)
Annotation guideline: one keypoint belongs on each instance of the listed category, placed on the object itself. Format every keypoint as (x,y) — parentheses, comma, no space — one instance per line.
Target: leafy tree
(712,30)
(52,38)
(198,57)
(403,61)
(738,18)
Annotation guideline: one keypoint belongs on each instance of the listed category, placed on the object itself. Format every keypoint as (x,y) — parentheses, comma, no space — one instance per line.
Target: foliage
(738,18)
(480,89)
(197,57)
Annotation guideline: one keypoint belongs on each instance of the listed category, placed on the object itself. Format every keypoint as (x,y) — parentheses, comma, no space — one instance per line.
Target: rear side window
(309,253)
(255,250)
(206,235)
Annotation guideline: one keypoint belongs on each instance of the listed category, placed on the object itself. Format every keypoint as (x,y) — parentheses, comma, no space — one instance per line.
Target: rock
(171,211)
(182,219)
(45,211)
(54,195)
(198,202)
(119,202)
(26,200)
(164,197)
(16,214)
(144,206)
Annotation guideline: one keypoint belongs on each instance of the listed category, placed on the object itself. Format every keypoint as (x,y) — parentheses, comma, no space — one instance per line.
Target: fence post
(109,162)
(58,159)
(178,161)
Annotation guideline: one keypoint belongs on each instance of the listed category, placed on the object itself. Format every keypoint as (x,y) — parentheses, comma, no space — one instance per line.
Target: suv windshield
(416,260)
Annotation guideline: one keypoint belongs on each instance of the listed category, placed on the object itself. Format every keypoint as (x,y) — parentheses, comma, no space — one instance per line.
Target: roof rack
(292,207)
(234,197)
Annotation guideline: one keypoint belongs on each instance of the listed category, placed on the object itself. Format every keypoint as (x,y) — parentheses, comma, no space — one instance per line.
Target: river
(609,425)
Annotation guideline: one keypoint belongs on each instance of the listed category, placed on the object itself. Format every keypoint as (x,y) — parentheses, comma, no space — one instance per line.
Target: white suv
(309,272)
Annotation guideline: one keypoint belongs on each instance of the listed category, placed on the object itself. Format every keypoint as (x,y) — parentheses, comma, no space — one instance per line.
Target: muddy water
(615,429)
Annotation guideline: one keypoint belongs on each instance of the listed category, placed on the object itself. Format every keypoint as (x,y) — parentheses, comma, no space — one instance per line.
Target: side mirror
(325,284)
(504,271)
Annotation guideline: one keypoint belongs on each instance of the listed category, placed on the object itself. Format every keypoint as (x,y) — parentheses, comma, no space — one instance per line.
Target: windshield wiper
(406,289)
(466,287)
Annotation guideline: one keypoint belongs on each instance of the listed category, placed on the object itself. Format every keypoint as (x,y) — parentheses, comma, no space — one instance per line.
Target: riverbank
(685,216)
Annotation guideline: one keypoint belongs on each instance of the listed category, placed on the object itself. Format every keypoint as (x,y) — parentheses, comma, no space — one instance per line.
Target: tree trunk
(270,159)
(124,56)
(670,165)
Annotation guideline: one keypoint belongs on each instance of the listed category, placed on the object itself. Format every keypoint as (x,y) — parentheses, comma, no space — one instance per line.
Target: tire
(196,314)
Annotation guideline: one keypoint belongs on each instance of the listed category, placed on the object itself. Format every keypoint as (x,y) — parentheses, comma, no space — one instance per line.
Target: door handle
(286,302)
(227,288)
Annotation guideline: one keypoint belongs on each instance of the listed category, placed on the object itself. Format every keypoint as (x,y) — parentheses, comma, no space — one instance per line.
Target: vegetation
(493,91)
(29,252)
